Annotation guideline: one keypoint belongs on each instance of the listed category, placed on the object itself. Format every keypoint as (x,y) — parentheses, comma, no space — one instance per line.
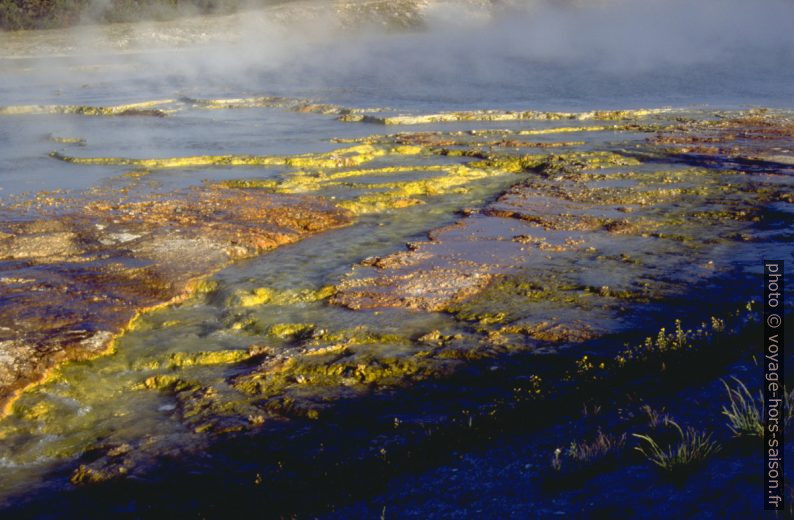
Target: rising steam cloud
(492,42)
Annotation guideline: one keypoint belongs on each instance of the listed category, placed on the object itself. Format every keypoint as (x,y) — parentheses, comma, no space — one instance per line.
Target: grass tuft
(744,413)
(692,448)
(582,457)
(600,447)
(655,418)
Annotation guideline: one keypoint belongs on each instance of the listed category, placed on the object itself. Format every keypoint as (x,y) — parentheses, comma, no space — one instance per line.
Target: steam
(628,34)
(412,55)
(503,44)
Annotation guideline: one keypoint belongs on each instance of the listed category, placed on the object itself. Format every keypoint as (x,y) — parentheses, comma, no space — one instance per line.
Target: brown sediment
(753,136)
(431,289)
(73,284)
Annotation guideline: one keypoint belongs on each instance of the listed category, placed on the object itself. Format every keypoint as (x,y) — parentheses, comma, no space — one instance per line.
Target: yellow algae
(389,370)
(263,295)
(400,137)
(389,170)
(404,194)
(322,373)
(330,160)
(612,115)
(350,156)
(568,129)
(499,115)
(289,330)
(583,160)
(137,106)
(214,357)
(256,297)
(360,335)
(171,323)
(408,150)
(165,382)
(425,187)
(323,293)
(66,140)
(506,297)
(510,163)
(176,162)
(399,194)
(450,117)
(301,181)
(377,203)
(203,285)
(284,103)
(151,364)
(295,296)
(37,412)
(429,142)
(85,110)
(251,183)
(6,430)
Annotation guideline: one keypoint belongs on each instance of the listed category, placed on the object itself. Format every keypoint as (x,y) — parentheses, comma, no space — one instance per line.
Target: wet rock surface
(587,234)
(526,246)
(70,285)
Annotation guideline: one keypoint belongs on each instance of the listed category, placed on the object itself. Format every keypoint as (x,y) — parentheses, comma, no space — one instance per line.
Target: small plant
(744,414)
(602,446)
(556,463)
(718,325)
(680,337)
(584,365)
(582,457)
(590,410)
(692,448)
(655,418)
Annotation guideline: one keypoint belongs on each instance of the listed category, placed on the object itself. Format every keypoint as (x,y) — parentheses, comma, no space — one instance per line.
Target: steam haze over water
(411,57)
(529,55)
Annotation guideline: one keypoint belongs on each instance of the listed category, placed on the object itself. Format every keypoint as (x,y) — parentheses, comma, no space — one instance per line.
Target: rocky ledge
(71,283)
